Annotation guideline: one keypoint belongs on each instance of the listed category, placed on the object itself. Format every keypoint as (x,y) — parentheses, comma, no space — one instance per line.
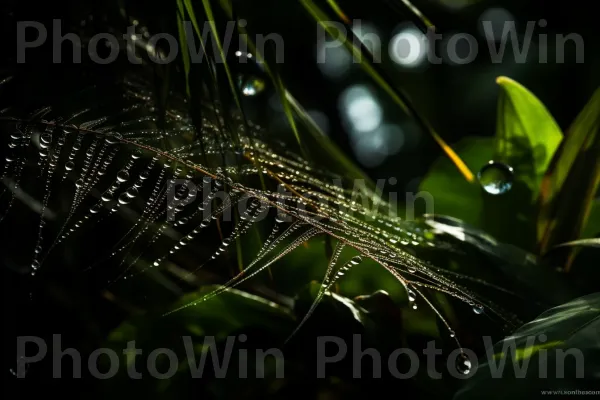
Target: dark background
(459,101)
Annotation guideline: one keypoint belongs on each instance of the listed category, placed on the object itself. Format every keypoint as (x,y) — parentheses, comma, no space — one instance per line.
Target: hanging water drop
(113,138)
(182,193)
(122,176)
(45,140)
(411,295)
(463,364)
(131,192)
(251,85)
(496,178)
(124,198)
(356,260)
(69,165)
(478,309)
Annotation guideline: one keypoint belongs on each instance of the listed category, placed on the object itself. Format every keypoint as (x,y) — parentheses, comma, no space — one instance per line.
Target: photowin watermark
(229,358)
(212,196)
(410,46)
(407,47)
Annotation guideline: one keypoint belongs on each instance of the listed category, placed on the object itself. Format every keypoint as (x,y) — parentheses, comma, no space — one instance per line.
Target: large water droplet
(251,85)
(496,178)
(463,364)
(356,260)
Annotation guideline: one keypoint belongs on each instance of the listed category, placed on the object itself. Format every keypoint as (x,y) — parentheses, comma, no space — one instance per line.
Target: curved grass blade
(358,51)
(571,182)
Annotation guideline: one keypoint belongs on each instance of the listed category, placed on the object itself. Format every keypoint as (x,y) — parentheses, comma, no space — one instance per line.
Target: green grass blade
(571,182)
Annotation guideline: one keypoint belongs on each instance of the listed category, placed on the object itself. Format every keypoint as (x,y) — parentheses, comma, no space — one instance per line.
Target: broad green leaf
(527,136)
(506,217)
(563,339)
(571,182)
(519,266)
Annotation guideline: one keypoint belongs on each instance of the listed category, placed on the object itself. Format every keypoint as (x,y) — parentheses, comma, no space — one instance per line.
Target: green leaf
(581,243)
(569,331)
(506,217)
(519,266)
(527,136)
(571,182)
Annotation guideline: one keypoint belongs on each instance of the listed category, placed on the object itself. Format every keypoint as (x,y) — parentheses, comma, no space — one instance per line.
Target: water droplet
(69,165)
(182,193)
(131,192)
(478,309)
(251,85)
(106,197)
(463,364)
(356,260)
(496,178)
(45,140)
(452,334)
(113,138)
(35,265)
(79,183)
(124,198)
(411,295)
(122,176)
